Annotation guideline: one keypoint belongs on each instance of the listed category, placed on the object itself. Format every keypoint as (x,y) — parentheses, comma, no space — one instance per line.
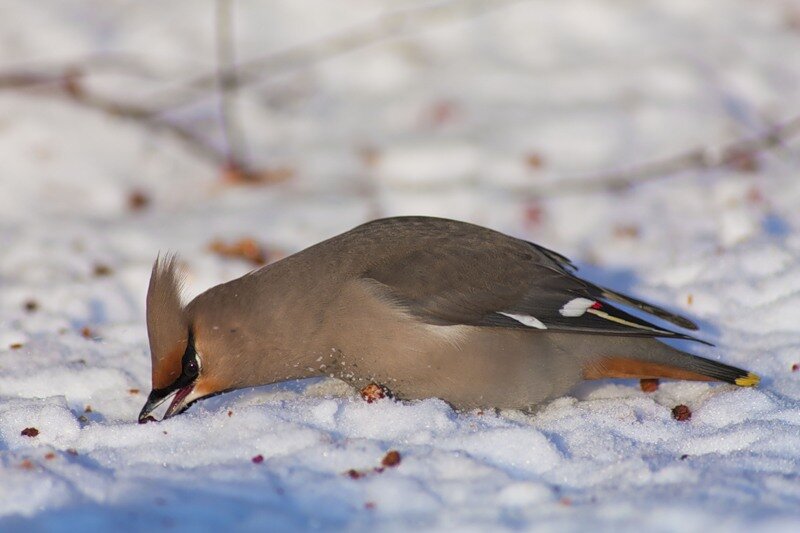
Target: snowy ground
(457,115)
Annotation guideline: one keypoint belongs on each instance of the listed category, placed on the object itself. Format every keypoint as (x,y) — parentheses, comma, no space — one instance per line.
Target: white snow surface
(462,114)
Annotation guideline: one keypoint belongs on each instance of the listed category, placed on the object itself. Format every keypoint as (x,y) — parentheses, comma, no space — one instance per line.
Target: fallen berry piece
(795,367)
(370,156)
(627,231)
(29,432)
(138,200)
(534,160)
(354,474)
(741,159)
(101,270)
(534,215)
(258,459)
(236,174)
(681,413)
(391,459)
(49,456)
(648,385)
(246,248)
(374,392)
(15,346)
(148,418)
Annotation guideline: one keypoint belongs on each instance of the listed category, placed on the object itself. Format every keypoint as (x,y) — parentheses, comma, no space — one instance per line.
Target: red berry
(681,413)
(392,458)
(29,432)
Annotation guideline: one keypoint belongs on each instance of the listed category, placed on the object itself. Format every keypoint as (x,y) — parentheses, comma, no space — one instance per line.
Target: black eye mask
(190,369)
(190,365)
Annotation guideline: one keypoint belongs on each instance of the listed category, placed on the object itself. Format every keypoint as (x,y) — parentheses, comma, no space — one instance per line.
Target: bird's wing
(505,282)
(605,293)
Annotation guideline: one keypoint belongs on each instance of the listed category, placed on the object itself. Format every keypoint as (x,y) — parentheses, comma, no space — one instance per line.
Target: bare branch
(226,83)
(42,71)
(735,154)
(382,28)
(729,154)
(67,85)
(144,116)
(385,27)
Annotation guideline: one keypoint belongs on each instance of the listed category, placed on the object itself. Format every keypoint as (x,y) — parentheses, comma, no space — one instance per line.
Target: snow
(465,116)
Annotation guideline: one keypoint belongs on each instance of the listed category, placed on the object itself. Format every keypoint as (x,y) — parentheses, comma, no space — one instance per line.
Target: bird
(426,307)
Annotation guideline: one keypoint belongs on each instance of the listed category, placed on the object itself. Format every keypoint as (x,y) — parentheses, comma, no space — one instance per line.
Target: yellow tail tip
(750,380)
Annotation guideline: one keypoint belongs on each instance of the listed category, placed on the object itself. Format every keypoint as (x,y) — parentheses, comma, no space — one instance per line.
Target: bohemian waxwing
(427,307)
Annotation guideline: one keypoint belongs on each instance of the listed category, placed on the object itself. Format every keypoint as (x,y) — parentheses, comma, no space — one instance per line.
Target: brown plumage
(167,328)
(427,307)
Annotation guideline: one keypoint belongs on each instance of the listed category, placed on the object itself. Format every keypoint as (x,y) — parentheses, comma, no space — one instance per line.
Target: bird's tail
(657,360)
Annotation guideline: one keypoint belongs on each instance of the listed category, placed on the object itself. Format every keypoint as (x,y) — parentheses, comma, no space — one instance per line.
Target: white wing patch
(576,307)
(527,320)
(580,306)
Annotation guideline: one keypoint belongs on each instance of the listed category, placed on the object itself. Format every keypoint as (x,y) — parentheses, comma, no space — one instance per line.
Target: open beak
(181,398)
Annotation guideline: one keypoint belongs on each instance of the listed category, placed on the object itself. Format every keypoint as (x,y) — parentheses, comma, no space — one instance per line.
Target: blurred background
(657,137)
(631,133)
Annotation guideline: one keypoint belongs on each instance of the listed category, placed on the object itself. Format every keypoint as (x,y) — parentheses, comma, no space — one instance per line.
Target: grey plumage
(425,306)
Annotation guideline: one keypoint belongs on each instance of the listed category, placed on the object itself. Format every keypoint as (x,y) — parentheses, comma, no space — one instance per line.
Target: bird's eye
(190,364)
(191,368)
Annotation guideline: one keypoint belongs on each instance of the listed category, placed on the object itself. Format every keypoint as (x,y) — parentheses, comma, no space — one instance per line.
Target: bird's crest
(167,326)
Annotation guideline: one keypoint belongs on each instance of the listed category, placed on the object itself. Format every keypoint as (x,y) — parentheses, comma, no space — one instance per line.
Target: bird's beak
(181,398)
(156,398)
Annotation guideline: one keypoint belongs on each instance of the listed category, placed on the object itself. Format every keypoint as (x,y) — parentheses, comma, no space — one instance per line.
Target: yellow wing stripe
(750,380)
(603,314)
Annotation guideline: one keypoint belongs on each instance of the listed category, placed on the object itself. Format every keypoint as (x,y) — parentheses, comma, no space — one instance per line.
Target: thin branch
(384,27)
(738,153)
(84,66)
(67,85)
(144,116)
(227,77)
(729,154)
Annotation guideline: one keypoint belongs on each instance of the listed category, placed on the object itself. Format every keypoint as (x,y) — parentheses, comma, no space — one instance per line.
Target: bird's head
(185,351)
